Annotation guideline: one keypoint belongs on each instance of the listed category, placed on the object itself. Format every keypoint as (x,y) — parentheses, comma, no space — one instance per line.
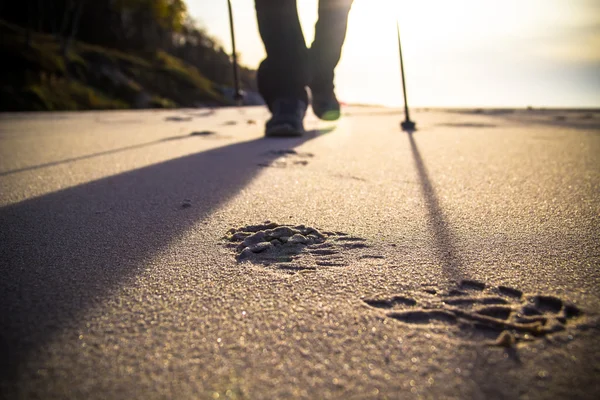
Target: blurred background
(97,54)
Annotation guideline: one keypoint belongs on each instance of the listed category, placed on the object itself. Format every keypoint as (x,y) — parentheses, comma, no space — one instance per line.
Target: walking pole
(407,124)
(237,96)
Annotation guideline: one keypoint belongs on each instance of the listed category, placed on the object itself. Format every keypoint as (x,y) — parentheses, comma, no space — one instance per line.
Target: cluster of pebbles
(269,237)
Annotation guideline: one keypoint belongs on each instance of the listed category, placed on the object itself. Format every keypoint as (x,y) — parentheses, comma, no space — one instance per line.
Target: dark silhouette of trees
(141,27)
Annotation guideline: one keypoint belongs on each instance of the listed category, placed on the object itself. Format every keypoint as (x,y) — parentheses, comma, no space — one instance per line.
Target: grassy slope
(39,78)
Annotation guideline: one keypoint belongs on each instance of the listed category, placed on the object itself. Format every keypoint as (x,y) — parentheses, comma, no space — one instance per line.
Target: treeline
(139,27)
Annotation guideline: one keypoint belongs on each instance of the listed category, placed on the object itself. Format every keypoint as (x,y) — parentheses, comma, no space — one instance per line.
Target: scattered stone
(297,239)
(270,243)
(254,239)
(314,232)
(246,253)
(260,247)
(260,227)
(283,231)
(239,236)
(314,237)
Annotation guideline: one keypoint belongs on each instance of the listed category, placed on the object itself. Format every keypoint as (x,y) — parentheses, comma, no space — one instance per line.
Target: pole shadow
(444,241)
(103,153)
(491,380)
(65,251)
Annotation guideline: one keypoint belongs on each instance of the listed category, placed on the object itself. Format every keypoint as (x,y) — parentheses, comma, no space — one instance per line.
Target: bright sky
(458,53)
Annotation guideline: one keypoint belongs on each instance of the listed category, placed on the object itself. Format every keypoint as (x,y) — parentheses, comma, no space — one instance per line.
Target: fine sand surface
(181,255)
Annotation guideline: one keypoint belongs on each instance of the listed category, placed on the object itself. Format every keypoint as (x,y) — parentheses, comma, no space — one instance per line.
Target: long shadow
(449,257)
(93,155)
(492,381)
(63,252)
(445,247)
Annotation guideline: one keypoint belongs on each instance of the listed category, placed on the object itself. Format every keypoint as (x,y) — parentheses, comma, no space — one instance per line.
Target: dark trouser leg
(326,49)
(284,73)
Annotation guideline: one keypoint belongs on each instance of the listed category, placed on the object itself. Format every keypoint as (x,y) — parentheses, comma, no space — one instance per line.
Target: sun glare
(460,53)
(461,49)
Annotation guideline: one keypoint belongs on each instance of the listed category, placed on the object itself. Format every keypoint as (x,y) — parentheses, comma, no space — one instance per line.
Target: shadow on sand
(64,251)
(104,153)
(445,247)
(491,382)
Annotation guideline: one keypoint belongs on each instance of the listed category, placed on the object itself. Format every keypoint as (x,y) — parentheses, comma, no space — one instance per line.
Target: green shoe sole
(331,115)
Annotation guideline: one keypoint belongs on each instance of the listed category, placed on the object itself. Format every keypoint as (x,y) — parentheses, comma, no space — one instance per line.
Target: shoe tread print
(477,311)
(296,248)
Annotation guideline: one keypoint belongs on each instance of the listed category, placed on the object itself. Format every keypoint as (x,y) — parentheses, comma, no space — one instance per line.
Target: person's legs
(325,53)
(284,73)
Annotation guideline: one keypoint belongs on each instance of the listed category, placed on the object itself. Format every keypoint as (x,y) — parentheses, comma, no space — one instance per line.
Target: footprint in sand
(176,118)
(467,125)
(286,158)
(476,311)
(294,247)
(350,177)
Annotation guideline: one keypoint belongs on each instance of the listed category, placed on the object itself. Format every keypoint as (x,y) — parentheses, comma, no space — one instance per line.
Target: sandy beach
(179,254)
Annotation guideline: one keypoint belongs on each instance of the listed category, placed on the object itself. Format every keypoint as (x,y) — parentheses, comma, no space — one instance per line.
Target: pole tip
(408,126)
(238,97)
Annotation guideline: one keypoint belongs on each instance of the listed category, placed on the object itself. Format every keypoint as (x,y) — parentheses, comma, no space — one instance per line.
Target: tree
(70,24)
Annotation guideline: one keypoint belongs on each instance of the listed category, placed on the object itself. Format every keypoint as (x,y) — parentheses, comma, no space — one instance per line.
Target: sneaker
(325,105)
(287,119)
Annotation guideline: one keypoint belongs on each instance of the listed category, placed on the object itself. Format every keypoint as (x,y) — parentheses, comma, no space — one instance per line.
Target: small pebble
(297,239)
(315,236)
(283,231)
(236,237)
(256,228)
(246,253)
(254,239)
(260,247)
